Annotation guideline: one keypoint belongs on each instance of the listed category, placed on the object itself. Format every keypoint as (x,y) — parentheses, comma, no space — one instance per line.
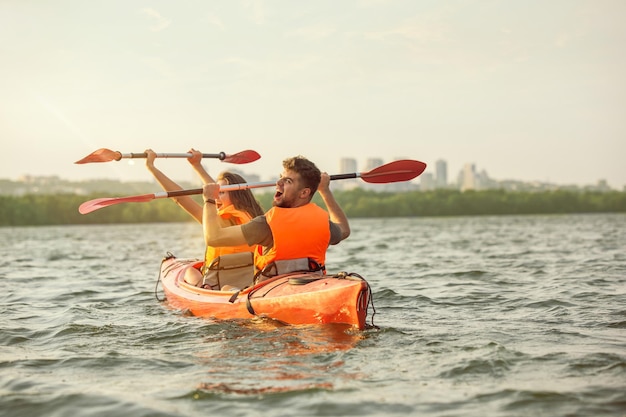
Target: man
(294,229)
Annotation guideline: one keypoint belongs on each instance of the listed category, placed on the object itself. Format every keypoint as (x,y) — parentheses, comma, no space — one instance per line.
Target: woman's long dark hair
(242,199)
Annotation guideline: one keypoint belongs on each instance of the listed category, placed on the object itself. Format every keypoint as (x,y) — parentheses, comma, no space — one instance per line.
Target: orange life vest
(301,232)
(234,217)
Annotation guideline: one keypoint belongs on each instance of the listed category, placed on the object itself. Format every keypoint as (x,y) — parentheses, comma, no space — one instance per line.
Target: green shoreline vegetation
(62,209)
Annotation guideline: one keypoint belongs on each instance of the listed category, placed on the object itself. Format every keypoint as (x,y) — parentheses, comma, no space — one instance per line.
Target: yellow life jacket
(301,232)
(234,217)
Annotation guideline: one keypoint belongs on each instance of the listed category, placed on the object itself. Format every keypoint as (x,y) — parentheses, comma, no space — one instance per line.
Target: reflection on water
(300,357)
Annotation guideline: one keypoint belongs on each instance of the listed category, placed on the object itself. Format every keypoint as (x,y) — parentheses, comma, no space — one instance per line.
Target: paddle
(107,155)
(396,171)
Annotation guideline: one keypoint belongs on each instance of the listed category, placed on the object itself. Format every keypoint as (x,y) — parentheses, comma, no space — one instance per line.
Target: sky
(528,90)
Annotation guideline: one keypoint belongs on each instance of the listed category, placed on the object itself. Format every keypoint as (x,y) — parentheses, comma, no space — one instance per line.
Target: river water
(475,316)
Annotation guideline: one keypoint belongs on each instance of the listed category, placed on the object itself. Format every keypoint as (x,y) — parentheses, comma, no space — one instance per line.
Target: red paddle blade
(101,155)
(243,157)
(98,203)
(396,171)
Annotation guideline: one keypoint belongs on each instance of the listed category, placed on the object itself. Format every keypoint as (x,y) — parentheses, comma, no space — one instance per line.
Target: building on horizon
(441,174)
(470,179)
(370,164)
(347,166)
(401,186)
(467,177)
(427,181)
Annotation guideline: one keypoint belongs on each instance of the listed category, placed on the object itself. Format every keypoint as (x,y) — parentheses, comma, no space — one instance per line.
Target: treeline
(362,203)
(56,209)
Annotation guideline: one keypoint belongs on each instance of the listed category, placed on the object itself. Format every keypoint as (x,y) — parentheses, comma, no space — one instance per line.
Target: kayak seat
(288,266)
(233,270)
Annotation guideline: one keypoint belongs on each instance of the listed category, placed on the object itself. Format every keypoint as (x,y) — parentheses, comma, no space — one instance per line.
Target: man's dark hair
(309,173)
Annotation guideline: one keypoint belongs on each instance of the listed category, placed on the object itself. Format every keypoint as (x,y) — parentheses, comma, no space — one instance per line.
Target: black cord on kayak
(156,288)
(370,297)
(168,255)
(371,302)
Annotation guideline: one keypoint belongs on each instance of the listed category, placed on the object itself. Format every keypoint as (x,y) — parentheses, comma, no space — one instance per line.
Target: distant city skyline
(436,175)
(470,177)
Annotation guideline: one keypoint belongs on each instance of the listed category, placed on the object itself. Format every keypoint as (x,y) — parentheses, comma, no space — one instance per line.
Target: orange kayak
(295,298)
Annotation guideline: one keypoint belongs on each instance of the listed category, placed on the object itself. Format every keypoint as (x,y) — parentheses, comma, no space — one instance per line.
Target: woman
(234,208)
